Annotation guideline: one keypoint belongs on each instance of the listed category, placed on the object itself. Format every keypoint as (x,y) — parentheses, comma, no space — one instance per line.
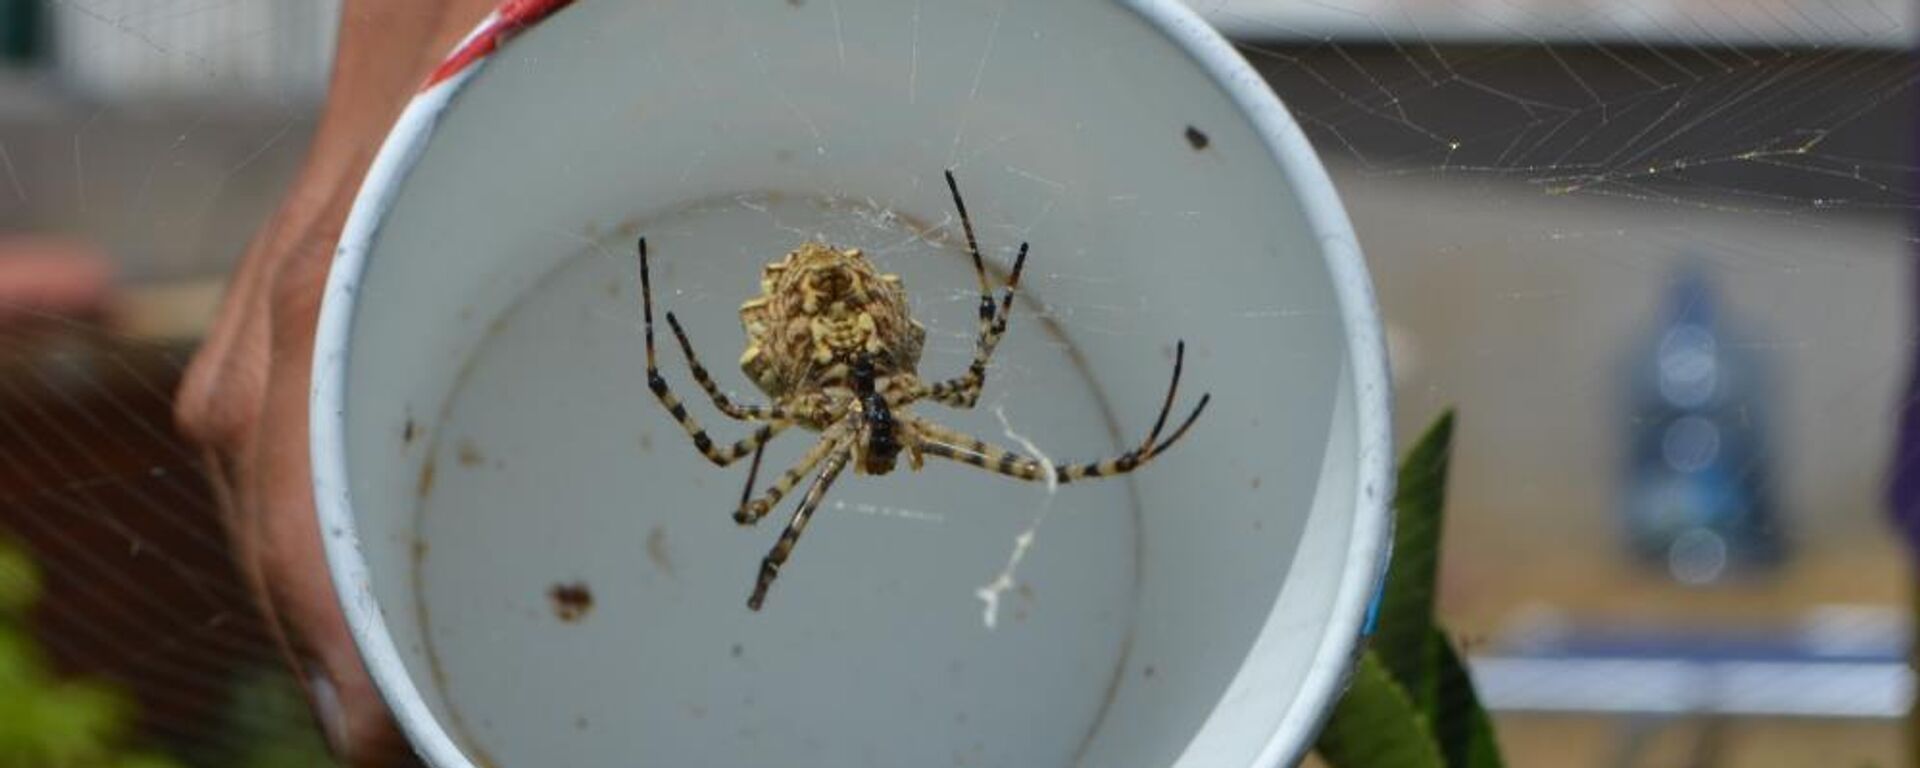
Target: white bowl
(487,454)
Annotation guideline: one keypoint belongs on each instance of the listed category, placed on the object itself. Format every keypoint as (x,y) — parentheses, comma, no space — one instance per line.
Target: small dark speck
(580,722)
(1196,139)
(407,433)
(739,650)
(419,550)
(571,602)
(1148,672)
(1256,482)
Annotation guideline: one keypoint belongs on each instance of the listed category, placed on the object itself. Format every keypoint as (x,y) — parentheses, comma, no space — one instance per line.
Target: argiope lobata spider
(831,341)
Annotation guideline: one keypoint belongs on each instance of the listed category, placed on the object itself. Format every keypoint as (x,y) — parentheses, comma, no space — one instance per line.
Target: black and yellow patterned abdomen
(819,309)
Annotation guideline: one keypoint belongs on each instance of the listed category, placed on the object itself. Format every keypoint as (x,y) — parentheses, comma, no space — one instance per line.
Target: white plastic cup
(541,571)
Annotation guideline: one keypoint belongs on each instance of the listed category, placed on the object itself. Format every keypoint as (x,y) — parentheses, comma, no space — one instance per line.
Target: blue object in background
(1698,492)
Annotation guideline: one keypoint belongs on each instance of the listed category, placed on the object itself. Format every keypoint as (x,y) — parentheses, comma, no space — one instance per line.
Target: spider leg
(959,446)
(964,391)
(721,456)
(752,509)
(720,399)
(770,565)
(753,473)
(1159,422)
(973,245)
(967,449)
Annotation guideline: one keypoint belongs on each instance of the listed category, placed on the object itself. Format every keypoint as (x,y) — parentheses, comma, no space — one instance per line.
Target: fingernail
(326,708)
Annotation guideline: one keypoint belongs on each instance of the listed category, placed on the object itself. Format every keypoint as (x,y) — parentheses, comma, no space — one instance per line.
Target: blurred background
(1658,253)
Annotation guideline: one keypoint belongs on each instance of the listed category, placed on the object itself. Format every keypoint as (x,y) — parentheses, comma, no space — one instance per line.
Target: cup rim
(1364,568)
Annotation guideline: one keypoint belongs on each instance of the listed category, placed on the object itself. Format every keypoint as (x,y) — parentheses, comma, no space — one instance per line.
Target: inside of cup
(559,568)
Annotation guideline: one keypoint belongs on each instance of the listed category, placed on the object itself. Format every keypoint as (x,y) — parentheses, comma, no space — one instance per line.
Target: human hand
(244,395)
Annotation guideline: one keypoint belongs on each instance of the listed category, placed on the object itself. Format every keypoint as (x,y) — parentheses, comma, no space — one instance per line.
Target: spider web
(1524,176)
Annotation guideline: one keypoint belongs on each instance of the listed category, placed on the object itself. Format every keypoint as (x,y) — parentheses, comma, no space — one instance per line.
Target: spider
(831,342)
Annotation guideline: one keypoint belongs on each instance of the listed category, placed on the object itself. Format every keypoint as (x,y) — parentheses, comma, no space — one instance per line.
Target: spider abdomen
(819,309)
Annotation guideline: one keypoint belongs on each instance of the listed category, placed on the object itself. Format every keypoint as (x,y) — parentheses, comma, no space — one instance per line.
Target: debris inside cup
(571,602)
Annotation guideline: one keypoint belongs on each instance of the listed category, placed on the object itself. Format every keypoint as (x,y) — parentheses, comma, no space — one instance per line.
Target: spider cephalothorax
(831,340)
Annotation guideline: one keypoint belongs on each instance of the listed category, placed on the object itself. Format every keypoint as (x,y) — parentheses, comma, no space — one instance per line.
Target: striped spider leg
(947,443)
(775,419)
(770,565)
(963,391)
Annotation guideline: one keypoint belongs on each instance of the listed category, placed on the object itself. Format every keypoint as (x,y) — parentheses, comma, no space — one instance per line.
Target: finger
(220,391)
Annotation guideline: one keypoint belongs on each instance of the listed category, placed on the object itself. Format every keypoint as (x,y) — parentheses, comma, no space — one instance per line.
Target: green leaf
(77,723)
(1406,605)
(46,720)
(269,716)
(143,760)
(1460,724)
(1412,678)
(1376,725)
(19,580)
(20,662)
